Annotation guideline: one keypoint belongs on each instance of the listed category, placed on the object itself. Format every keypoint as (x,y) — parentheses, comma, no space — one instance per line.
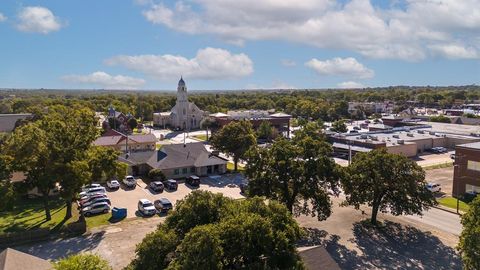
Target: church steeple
(182,91)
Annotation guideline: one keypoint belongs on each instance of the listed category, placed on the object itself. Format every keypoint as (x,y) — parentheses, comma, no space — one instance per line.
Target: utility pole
(349,153)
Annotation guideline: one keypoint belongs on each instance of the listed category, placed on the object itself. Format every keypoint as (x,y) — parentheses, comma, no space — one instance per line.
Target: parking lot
(429,159)
(444,177)
(227,184)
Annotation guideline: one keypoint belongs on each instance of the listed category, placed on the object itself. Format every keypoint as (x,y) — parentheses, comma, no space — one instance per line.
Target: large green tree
(209,231)
(387,183)
(266,131)
(82,262)
(339,126)
(469,244)
(296,172)
(103,163)
(235,139)
(6,188)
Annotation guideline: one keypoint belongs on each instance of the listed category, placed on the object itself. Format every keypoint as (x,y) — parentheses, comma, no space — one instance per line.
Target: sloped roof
(137,158)
(11,259)
(108,140)
(7,121)
(143,138)
(180,155)
(318,258)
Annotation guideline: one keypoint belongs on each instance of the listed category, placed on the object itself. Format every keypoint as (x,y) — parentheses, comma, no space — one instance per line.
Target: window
(192,169)
(472,188)
(473,165)
(176,171)
(184,170)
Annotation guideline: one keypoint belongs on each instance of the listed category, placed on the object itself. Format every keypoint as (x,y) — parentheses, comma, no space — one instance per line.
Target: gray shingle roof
(180,155)
(11,259)
(7,121)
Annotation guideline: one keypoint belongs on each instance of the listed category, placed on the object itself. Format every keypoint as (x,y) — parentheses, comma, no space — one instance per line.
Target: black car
(193,181)
(171,184)
(163,205)
(243,188)
(156,186)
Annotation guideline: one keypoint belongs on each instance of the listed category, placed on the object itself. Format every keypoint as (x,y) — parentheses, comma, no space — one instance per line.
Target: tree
(6,188)
(265,131)
(157,175)
(103,163)
(297,173)
(469,244)
(440,119)
(29,147)
(132,123)
(82,262)
(235,139)
(209,231)
(387,183)
(339,126)
(206,124)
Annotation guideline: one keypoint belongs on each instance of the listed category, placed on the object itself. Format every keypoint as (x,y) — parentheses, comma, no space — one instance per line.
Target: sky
(232,44)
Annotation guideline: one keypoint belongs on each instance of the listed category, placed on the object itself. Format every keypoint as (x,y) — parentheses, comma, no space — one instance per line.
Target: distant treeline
(327,104)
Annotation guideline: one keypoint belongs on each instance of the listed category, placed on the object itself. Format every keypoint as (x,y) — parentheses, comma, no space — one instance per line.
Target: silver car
(97,208)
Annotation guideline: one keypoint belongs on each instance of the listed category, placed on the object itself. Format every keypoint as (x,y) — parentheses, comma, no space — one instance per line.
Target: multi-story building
(466,176)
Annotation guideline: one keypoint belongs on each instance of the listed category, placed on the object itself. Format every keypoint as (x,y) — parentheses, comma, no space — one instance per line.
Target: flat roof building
(466,175)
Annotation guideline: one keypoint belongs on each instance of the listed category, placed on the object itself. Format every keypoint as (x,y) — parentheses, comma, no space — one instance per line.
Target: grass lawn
(98,220)
(451,202)
(439,166)
(29,214)
(231,167)
(201,137)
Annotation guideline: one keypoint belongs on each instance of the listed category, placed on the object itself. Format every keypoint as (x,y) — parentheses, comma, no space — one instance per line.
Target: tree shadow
(390,246)
(395,246)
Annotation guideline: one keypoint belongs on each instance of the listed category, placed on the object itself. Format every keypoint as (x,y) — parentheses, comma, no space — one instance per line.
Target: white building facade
(184,115)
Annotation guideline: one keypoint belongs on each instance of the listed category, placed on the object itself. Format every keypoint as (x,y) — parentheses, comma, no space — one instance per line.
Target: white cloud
(106,80)
(406,31)
(2,17)
(454,51)
(345,67)
(350,85)
(38,20)
(288,63)
(275,85)
(209,63)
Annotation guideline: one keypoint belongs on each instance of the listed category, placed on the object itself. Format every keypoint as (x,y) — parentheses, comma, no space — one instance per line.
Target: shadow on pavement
(60,248)
(391,246)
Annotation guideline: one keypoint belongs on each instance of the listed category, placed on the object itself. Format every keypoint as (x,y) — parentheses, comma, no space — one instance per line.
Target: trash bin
(119,213)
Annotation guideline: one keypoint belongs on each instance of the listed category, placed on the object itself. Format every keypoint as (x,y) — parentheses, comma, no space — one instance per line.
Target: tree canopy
(82,262)
(387,183)
(298,173)
(339,126)
(209,231)
(469,244)
(235,139)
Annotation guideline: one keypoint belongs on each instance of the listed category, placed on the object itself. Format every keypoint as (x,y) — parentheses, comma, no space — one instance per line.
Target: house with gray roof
(8,121)
(11,259)
(177,161)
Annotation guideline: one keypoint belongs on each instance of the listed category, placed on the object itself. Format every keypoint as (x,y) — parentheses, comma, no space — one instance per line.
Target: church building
(184,115)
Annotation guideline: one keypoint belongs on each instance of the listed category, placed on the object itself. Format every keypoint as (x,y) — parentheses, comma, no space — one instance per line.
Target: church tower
(182,105)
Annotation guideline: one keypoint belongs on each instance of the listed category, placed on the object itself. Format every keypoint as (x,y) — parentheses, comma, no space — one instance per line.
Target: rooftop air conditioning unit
(364,136)
(421,131)
(410,135)
(431,133)
(400,141)
(396,136)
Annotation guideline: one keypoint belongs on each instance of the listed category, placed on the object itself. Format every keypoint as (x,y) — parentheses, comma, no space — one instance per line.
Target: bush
(82,262)
(157,175)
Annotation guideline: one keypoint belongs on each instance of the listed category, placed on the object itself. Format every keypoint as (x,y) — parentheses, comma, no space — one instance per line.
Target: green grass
(439,166)
(29,214)
(98,220)
(451,202)
(231,167)
(201,137)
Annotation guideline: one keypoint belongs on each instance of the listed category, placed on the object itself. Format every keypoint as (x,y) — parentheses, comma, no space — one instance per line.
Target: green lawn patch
(451,202)
(439,166)
(201,137)
(29,214)
(98,220)
(231,167)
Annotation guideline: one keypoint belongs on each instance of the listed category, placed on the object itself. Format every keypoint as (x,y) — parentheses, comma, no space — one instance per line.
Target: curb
(447,210)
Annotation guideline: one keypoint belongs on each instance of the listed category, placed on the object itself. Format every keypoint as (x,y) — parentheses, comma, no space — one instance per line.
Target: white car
(433,187)
(146,207)
(97,208)
(93,185)
(113,184)
(92,191)
(130,181)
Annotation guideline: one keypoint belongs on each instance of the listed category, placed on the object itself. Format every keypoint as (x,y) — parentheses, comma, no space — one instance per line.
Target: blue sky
(228,44)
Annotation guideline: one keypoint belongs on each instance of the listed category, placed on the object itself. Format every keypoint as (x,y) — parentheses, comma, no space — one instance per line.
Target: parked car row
(159,187)
(147,208)
(93,200)
(438,150)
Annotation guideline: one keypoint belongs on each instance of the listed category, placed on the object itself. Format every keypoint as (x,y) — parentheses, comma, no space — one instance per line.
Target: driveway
(444,177)
(428,159)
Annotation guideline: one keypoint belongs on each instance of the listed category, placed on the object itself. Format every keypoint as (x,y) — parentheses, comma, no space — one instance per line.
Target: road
(440,219)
